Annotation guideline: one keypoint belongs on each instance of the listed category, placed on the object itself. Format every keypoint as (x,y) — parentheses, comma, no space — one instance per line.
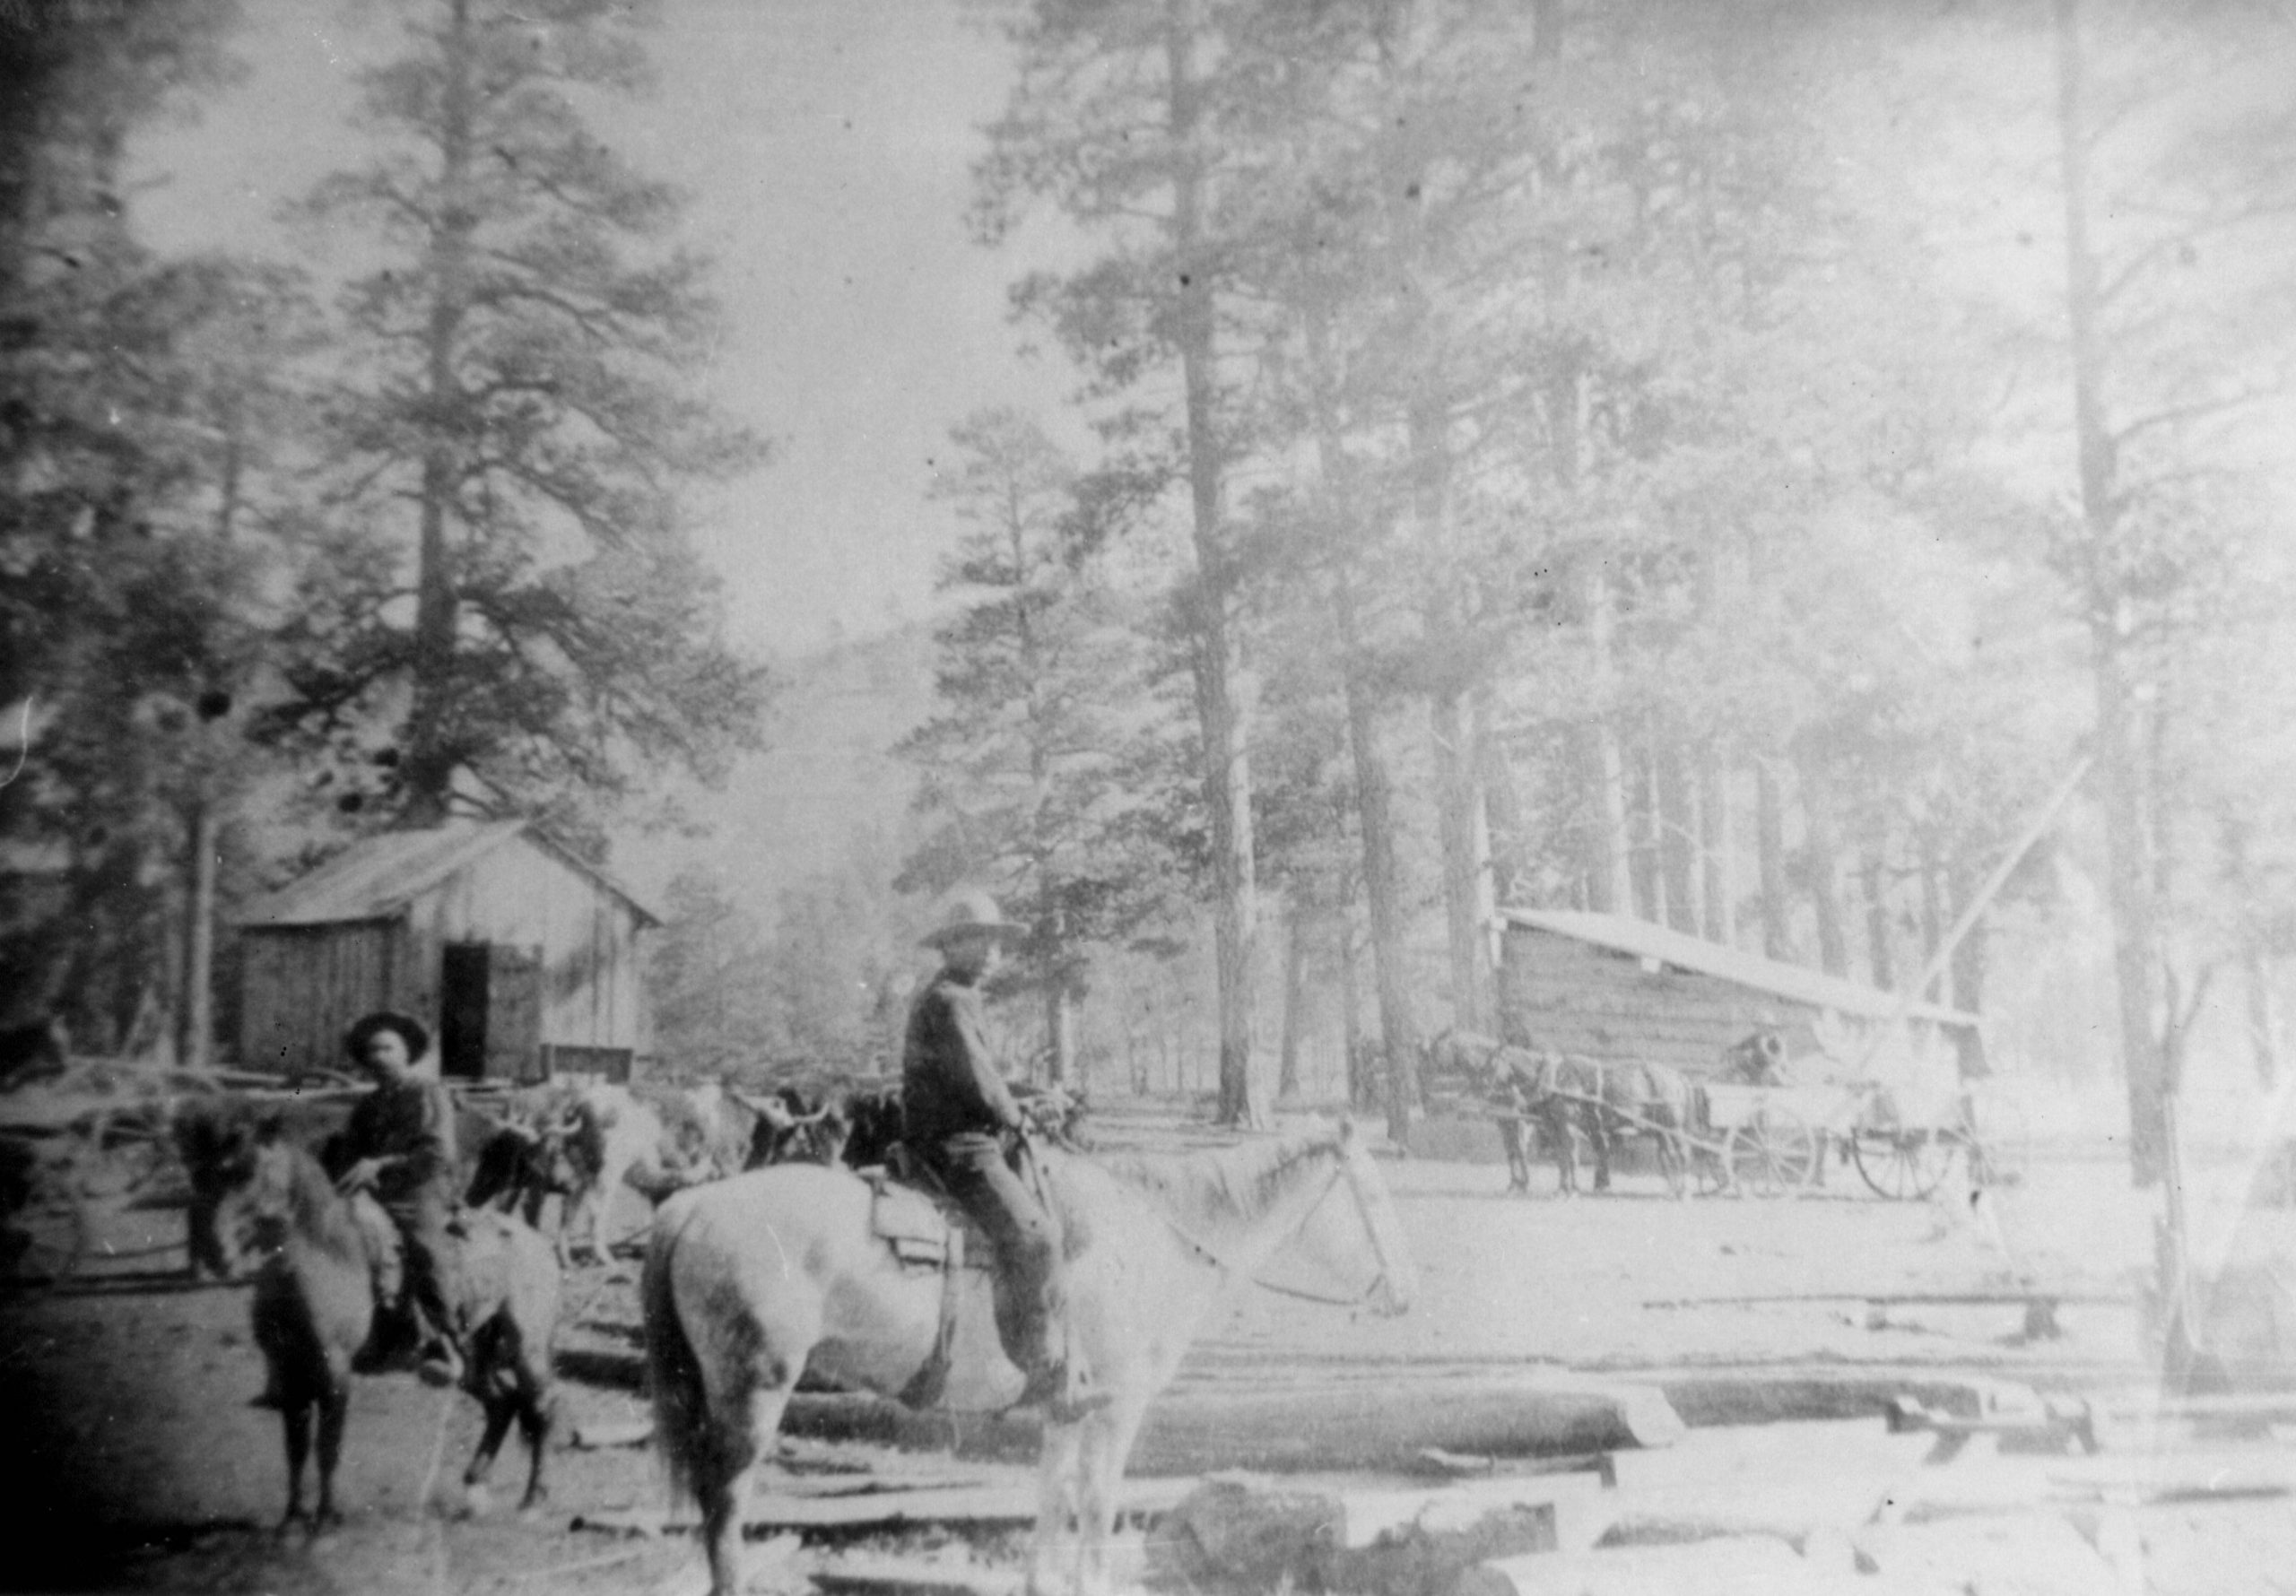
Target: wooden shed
(521,957)
(1611,987)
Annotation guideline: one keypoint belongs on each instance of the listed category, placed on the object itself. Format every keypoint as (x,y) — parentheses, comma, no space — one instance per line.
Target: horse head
(255,1185)
(1353,1233)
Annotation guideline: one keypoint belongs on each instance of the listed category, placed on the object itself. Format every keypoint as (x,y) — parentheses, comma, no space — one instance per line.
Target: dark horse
(1607,1101)
(324,1303)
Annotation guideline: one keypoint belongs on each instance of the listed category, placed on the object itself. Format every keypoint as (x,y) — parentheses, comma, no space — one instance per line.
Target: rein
(1341,1172)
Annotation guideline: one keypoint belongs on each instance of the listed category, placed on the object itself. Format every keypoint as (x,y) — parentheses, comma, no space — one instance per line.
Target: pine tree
(516,429)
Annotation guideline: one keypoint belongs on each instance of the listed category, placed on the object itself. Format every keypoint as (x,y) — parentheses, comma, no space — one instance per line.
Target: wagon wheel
(1901,1165)
(1773,1151)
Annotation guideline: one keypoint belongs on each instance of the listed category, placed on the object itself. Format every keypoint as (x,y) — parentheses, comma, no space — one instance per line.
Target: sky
(826,146)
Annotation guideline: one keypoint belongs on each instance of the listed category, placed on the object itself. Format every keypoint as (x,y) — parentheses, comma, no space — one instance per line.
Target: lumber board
(784,1512)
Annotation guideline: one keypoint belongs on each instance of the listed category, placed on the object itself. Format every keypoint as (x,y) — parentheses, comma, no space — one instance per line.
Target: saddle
(925,1230)
(391,1335)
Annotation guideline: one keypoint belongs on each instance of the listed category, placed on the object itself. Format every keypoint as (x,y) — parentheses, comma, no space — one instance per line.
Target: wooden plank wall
(1558,992)
(301,987)
(524,895)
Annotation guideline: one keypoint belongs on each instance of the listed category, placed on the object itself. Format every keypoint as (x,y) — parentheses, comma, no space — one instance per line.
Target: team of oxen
(1562,1098)
(581,1144)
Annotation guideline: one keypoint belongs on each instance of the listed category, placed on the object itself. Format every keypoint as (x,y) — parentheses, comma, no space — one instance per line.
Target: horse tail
(681,1427)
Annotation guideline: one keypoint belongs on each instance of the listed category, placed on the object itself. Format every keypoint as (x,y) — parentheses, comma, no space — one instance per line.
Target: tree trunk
(2264,1022)
(1220,710)
(1822,852)
(1295,1004)
(1678,831)
(1511,868)
(431,757)
(1878,947)
(1717,848)
(1769,857)
(1649,881)
(195,1043)
(1360,1093)
(1933,915)
(2129,887)
(1458,808)
(1060,1029)
(1968,963)
(1374,798)
(1382,883)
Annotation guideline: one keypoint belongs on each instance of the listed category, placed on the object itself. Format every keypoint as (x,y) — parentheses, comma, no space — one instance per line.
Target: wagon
(1903,1158)
(1767,1140)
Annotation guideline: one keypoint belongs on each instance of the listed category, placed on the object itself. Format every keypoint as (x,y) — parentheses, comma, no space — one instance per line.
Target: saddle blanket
(917,1226)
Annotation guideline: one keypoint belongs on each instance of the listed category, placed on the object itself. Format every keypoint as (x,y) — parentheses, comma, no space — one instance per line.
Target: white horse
(750,1281)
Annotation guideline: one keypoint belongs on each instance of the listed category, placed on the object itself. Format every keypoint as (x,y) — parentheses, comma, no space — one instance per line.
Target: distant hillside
(827,778)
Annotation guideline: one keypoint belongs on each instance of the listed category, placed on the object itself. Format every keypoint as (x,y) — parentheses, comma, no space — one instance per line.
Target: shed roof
(379,876)
(1642,939)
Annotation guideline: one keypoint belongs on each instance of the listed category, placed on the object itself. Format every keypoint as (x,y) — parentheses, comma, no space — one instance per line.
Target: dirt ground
(141,1467)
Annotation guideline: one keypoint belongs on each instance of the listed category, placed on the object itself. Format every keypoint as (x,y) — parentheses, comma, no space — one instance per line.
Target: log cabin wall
(524,895)
(371,930)
(302,986)
(1557,992)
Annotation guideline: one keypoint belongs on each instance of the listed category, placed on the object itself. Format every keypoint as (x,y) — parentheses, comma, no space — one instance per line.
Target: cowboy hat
(409,1028)
(970,913)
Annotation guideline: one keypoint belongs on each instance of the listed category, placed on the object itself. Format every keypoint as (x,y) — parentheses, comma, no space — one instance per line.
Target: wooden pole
(1977,905)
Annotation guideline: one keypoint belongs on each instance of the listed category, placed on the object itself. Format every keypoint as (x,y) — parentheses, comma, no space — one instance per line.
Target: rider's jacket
(413,1121)
(949,1085)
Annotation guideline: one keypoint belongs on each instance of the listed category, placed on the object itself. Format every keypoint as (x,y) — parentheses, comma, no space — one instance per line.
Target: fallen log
(1259,1533)
(773,1513)
(1308,1427)
(913,1576)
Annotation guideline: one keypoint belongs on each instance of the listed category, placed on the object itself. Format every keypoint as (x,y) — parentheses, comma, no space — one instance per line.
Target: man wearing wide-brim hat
(958,1116)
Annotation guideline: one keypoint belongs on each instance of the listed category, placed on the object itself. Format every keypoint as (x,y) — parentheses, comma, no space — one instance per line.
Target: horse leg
(535,1413)
(1556,1123)
(335,1408)
(1598,1137)
(500,1409)
(1106,1443)
(743,1439)
(1053,1567)
(295,1428)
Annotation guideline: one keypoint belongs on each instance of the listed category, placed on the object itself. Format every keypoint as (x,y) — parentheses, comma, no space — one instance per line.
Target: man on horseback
(957,1115)
(401,1141)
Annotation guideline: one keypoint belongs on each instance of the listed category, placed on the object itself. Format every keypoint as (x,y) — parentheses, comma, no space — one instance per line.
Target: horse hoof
(477,1502)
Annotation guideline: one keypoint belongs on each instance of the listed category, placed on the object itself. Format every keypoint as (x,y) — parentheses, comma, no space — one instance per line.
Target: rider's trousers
(421,1217)
(973,1170)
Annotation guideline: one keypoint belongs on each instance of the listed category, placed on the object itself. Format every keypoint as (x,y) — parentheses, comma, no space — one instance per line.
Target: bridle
(1344,1171)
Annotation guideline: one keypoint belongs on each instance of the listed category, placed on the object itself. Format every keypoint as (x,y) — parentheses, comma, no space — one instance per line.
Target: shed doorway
(489,1012)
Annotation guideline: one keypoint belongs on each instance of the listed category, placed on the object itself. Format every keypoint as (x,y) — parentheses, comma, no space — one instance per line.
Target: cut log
(1388,1425)
(979,1506)
(913,1576)
(1253,1533)
(1360,1426)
